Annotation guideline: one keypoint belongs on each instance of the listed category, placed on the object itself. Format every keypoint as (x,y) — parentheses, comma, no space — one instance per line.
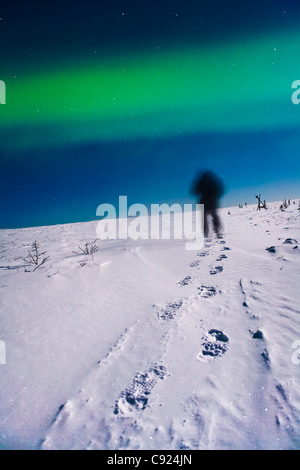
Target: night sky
(135,97)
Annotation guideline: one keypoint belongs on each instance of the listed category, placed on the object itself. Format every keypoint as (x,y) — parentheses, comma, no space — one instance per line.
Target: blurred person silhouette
(209,188)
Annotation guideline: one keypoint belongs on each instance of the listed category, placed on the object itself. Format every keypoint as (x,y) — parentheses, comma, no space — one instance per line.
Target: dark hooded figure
(208,188)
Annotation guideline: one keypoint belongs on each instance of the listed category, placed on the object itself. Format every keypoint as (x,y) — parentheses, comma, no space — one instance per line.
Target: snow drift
(144,345)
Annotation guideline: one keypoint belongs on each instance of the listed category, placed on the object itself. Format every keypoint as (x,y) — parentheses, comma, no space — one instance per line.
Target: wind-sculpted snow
(147,346)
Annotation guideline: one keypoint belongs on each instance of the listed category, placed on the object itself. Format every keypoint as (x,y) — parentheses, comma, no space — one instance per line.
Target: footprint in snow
(207,291)
(135,398)
(185,281)
(215,343)
(290,241)
(202,254)
(216,270)
(221,258)
(194,264)
(169,311)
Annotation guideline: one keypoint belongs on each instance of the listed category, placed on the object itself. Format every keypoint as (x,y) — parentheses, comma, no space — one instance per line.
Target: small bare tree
(35,257)
(260,205)
(89,248)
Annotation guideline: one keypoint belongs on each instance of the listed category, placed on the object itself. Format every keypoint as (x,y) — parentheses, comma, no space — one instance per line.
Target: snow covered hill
(145,345)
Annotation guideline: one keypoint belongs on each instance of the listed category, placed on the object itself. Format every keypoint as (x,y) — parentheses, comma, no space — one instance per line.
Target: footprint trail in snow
(216,367)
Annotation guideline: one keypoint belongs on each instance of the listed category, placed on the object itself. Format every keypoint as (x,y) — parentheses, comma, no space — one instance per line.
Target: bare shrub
(35,257)
(89,248)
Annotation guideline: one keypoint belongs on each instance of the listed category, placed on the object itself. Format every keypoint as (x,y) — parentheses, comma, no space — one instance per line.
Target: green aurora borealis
(228,88)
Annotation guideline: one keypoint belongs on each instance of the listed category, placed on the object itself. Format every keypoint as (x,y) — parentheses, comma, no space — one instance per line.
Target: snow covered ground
(149,346)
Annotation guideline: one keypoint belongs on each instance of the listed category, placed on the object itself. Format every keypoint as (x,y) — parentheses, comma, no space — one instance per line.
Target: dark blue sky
(67,187)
